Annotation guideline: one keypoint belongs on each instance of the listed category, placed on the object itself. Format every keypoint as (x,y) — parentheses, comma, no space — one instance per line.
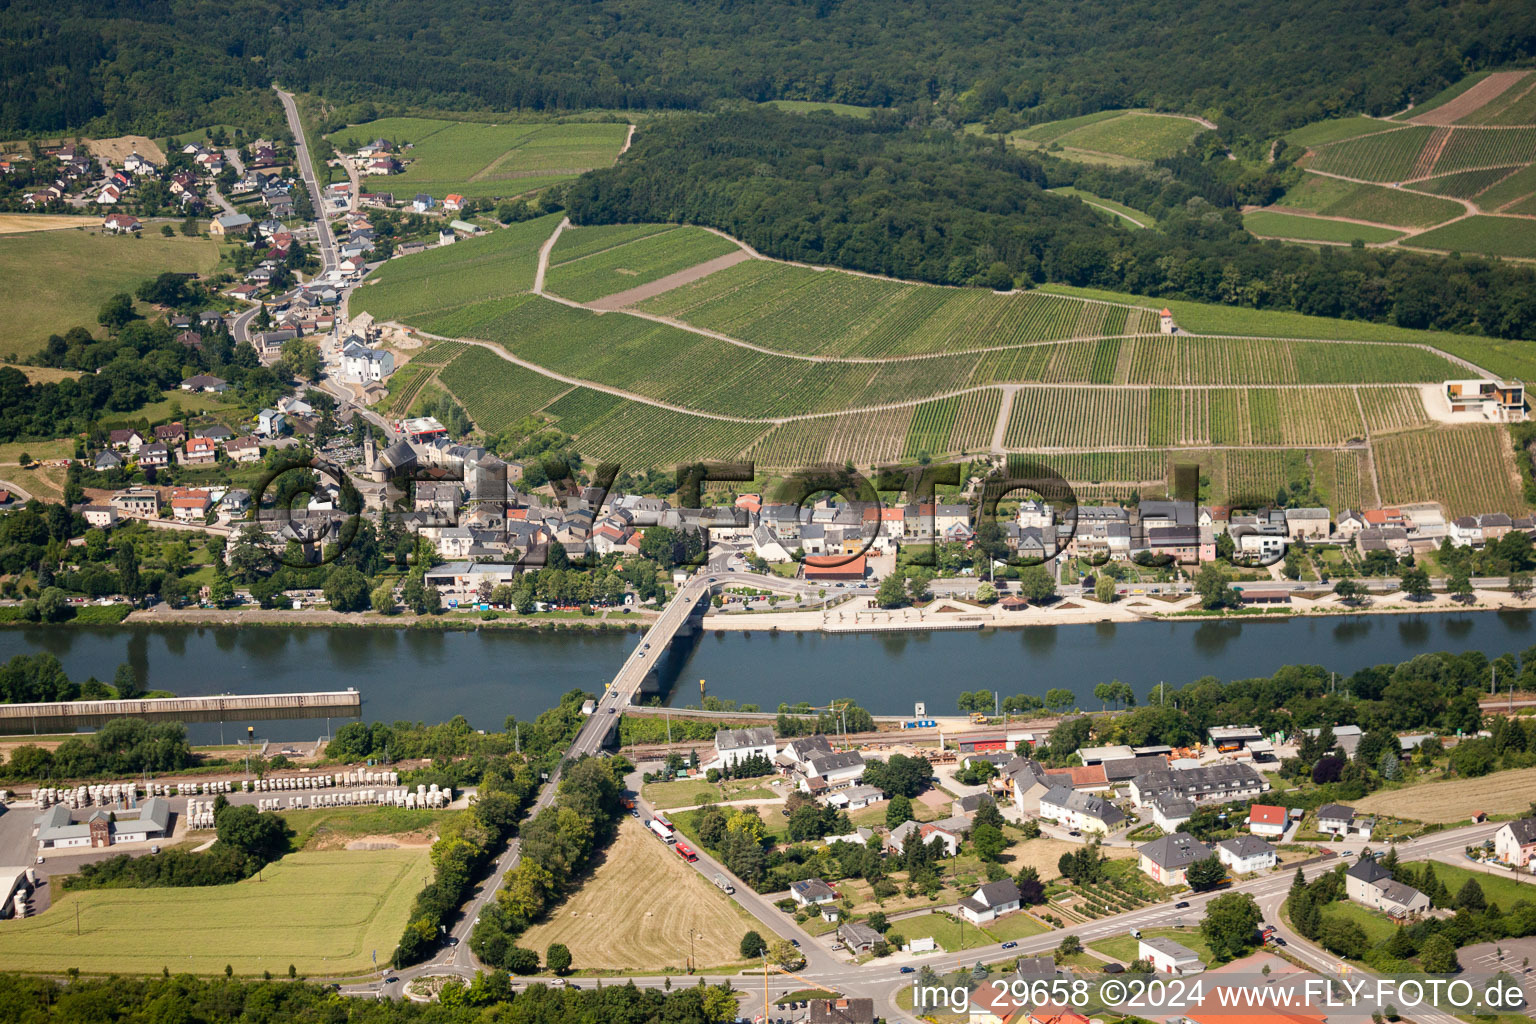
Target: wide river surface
(424,675)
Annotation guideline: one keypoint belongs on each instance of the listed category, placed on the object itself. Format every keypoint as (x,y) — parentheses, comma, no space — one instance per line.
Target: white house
(1077,809)
(1335,819)
(1266,820)
(363,364)
(269,422)
(1370,884)
(736,745)
(1244,855)
(1515,841)
(990,902)
(811,892)
(1169,957)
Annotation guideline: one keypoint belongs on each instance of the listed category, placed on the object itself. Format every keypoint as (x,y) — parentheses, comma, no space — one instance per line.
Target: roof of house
(856,933)
(813,889)
(1335,812)
(1089,777)
(1169,948)
(1084,803)
(1176,851)
(1523,830)
(1031,968)
(1368,871)
(1246,846)
(858,1010)
(992,895)
(1399,893)
(737,739)
(822,764)
(1266,814)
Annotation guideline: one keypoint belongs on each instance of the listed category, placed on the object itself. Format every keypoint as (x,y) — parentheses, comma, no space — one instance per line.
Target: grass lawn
(55,280)
(11,451)
(176,404)
(1115,211)
(325,913)
(320,825)
(1500,889)
(612,923)
(1272,224)
(1376,926)
(682,793)
(944,930)
(1124,948)
(1016,926)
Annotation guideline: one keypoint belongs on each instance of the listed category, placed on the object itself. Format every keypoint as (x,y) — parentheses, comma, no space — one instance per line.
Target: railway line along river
(432,675)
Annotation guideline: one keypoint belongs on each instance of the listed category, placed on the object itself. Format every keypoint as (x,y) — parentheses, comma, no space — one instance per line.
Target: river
(427,675)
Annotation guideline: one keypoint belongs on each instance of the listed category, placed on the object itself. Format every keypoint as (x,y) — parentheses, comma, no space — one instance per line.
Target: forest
(921,202)
(170,65)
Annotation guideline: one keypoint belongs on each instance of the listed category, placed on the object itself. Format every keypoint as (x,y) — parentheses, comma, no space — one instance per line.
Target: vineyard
(1330,197)
(494,392)
(1517,105)
(638,435)
(404,384)
(1384,156)
(1514,237)
(1077,418)
(1470,148)
(577,242)
(1467,469)
(1275,224)
(1464,184)
(770,304)
(1342,478)
(640,261)
(863,439)
(1134,135)
(1321,133)
(1183,360)
(581,408)
(958,424)
(469,272)
(1389,409)
(439,353)
(1134,467)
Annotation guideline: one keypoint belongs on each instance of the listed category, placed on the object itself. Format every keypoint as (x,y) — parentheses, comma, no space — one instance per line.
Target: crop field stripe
(1513,237)
(1388,409)
(1386,156)
(494,392)
(931,425)
(576,243)
(1469,148)
(1468,470)
(635,262)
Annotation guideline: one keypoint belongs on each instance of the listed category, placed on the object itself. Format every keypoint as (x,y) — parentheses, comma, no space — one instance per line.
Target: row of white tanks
(422,797)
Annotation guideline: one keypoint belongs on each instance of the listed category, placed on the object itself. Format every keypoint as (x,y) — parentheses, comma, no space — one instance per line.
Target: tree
(1205,874)
(1415,583)
(116,312)
(878,922)
(1035,583)
(557,958)
(346,589)
(1460,584)
(1059,698)
(1214,590)
(1104,589)
(988,842)
(1031,889)
(752,946)
(892,592)
(1520,583)
(383,598)
(785,955)
(521,961)
(986,593)
(1346,589)
(1231,925)
(1470,896)
(1438,955)
(899,810)
(1069,946)
(126,682)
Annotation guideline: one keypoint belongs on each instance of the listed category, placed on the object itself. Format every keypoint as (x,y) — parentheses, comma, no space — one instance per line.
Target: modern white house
(812,892)
(1079,810)
(1245,855)
(990,902)
(1267,820)
(1515,841)
(363,364)
(735,745)
(57,829)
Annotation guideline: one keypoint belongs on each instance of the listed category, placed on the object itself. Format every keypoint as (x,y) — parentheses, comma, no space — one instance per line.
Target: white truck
(724,884)
(662,830)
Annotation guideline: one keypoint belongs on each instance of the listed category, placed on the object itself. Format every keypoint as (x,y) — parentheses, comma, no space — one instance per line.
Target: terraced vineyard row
(861,438)
(1392,408)
(1324,416)
(1342,478)
(1521,183)
(1383,156)
(1161,359)
(958,424)
(635,263)
(769,304)
(638,435)
(583,407)
(439,353)
(404,384)
(1133,467)
(1077,418)
(1464,184)
(494,392)
(576,242)
(1488,147)
(1467,469)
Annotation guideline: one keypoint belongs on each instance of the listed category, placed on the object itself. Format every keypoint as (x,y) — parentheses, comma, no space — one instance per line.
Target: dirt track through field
(1430,153)
(1475,98)
(665,284)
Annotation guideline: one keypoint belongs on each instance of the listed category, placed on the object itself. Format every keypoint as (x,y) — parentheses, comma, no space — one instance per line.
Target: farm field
(1515,105)
(1392,408)
(55,280)
(1114,211)
(636,435)
(323,912)
(610,922)
(1321,133)
(472,271)
(1131,134)
(1508,190)
(961,423)
(1467,469)
(1160,359)
(494,392)
(1451,800)
(1469,148)
(1330,197)
(810,106)
(1381,156)
(1275,224)
(863,438)
(1464,184)
(20,223)
(477,159)
(1497,236)
(628,264)
(1441,98)
(769,304)
(1342,478)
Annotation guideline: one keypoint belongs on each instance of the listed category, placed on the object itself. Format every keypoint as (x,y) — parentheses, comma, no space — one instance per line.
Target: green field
(1496,236)
(1382,156)
(439,281)
(1124,947)
(1115,211)
(1322,132)
(55,280)
(1442,97)
(1376,926)
(1274,224)
(626,265)
(1129,134)
(1469,148)
(1331,197)
(1464,184)
(477,159)
(1469,470)
(1516,186)
(810,106)
(325,913)
(770,304)
(494,392)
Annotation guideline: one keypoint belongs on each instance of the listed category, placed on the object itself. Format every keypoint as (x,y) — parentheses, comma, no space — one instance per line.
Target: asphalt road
(306,167)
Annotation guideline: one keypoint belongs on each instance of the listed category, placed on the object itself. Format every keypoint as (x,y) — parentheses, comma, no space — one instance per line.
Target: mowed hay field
(478,159)
(1455,799)
(637,908)
(19,223)
(325,913)
(1129,134)
(55,280)
(1043,853)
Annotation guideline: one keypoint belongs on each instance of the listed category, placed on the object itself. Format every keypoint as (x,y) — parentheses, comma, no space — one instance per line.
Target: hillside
(73,65)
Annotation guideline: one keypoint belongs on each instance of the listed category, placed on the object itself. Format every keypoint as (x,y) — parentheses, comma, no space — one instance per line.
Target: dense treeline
(923,203)
(227,1001)
(73,64)
(248,841)
(121,747)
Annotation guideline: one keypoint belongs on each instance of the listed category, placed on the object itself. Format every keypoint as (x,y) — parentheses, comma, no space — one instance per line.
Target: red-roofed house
(190,505)
(201,451)
(1165,320)
(120,224)
(453,201)
(1266,820)
(1385,517)
(1093,777)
